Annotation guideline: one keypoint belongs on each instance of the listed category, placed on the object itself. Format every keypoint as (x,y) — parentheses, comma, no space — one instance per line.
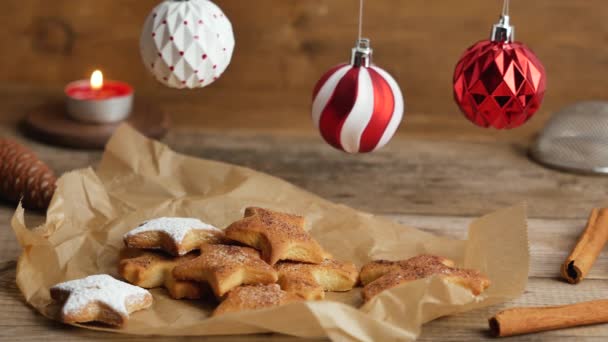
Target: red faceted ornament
(499,84)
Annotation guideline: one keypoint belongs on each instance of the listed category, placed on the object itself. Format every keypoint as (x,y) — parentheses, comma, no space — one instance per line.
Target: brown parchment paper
(139,179)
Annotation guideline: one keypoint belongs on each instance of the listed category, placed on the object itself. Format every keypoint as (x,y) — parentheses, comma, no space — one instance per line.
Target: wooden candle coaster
(50,123)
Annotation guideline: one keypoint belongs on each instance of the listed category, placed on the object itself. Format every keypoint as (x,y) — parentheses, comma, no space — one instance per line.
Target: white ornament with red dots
(187,43)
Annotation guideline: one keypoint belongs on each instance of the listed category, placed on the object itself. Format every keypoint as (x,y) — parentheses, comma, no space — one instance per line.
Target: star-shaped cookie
(255,297)
(310,281)
(378,268)
(150,270)
(99,298)
(226,267)
(420,267)
(174,235)
(278,236)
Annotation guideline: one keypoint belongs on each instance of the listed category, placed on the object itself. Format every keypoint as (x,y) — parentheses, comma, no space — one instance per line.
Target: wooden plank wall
(283,46)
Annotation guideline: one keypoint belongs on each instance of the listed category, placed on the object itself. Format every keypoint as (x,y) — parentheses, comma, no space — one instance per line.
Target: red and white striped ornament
(357,107)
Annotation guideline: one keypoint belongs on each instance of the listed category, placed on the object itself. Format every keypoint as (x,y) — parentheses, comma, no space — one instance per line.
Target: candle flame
(96,80)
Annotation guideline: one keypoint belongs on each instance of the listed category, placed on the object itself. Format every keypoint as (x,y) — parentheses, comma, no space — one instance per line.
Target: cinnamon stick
(519,321)
(588,247)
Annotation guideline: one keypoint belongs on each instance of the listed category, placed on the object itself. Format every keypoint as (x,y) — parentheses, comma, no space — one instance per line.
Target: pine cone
(23,175)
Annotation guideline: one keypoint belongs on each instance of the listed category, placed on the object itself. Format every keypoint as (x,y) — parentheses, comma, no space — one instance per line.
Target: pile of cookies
(264,260)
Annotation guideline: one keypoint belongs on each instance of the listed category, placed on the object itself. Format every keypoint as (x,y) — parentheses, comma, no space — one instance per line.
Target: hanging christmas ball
(357,107)
(499,83)
(187,43)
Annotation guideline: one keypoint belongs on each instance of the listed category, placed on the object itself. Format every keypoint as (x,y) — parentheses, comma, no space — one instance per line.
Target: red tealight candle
(96,101)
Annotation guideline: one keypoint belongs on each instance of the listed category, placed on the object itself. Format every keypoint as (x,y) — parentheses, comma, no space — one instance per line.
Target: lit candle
(99,101)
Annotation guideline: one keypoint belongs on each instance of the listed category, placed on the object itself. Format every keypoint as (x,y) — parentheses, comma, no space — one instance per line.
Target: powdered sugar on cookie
(101,288)
(175,227)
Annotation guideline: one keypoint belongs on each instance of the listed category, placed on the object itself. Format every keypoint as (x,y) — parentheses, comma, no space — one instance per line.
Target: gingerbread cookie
(310,281)
(150,270)
(278,236)
(99,298)
(255,297)
(226,267)
(174,235)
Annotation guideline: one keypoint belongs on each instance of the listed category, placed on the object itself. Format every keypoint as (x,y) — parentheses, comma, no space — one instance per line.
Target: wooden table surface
(437,178)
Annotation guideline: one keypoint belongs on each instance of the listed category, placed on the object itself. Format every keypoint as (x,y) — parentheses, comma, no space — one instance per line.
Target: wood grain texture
(433,183)
(436,181)
(410,176)
(285,46)
(439,173)
(473,325)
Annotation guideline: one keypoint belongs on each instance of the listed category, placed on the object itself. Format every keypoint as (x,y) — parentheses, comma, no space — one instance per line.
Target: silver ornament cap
(362,53)
(503,31)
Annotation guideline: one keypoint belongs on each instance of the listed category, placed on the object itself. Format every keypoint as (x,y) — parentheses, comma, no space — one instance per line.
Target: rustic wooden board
(411,176)
(472,326)
(286,45)
(439,174)
(438,185)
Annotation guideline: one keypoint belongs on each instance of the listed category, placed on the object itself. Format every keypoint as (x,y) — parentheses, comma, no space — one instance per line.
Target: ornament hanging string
(505,8)
(361,19)
(376,102)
